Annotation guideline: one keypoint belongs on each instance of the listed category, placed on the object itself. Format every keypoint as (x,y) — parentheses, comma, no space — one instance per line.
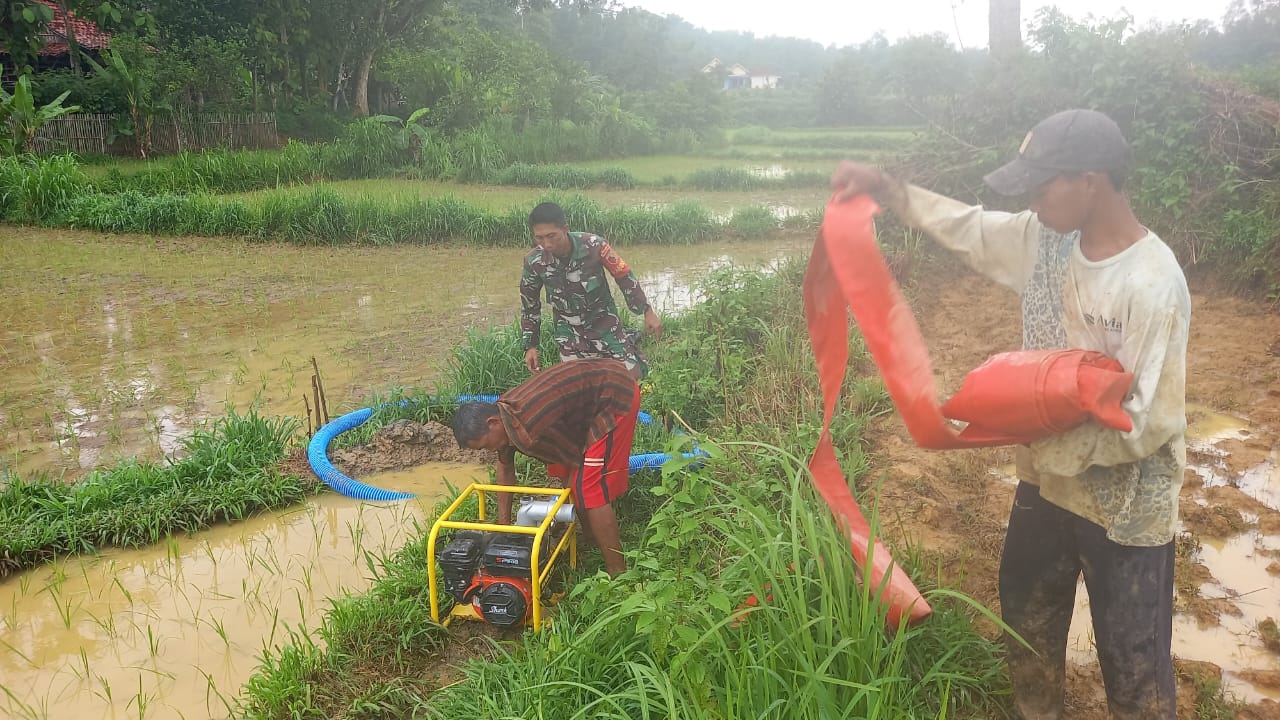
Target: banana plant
(412,134)
(138,89)
(21,118)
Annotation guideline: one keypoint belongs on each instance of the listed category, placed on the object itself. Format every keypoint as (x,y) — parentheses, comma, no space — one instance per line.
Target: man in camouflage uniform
(572,266)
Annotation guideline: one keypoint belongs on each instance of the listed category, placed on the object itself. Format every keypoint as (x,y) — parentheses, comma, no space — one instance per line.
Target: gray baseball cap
(1067,143)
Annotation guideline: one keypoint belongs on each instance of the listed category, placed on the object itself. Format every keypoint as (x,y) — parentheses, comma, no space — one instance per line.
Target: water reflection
(180,332)
(179,627)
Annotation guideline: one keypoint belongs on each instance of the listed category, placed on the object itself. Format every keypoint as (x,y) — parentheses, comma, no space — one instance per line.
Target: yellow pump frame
(540,572)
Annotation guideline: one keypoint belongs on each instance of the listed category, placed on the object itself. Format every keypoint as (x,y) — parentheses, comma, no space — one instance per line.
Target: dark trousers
(1130,595)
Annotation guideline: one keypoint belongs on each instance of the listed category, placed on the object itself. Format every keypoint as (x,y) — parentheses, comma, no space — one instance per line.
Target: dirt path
(955,504)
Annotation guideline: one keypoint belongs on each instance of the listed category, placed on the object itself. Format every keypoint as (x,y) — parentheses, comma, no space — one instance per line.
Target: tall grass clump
(754,222)
(36,189)
(491,362)
(673,638)
(366,149)
(225,472)
(563,177)
(221,171)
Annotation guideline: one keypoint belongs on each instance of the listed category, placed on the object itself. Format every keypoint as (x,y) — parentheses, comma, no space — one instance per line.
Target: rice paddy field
(117,347)
(159,560)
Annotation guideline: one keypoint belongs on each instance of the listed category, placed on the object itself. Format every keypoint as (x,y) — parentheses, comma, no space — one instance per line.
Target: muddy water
(176,629)
(1238,565)
(119,345)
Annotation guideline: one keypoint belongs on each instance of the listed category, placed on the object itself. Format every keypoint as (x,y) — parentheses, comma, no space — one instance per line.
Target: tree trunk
(1004,24)
(69,31)
(362,84)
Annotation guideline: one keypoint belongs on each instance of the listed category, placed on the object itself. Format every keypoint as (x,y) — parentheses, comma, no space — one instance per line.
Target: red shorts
(602,476)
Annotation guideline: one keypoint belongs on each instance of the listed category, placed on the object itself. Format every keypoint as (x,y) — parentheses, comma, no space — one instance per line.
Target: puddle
(1237,563)
(176,629)
(117,346)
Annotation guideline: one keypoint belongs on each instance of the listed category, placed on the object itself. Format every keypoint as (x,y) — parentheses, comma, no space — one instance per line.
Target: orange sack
(1014,398)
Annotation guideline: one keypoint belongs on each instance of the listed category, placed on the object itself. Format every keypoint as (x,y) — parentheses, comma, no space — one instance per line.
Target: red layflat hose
(1014,398)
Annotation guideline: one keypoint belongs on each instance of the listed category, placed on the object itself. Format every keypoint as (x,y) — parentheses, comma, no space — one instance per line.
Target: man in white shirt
(1093,500)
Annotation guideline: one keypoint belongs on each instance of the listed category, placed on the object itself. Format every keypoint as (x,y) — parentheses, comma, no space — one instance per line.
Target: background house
(738,77)
(57,37)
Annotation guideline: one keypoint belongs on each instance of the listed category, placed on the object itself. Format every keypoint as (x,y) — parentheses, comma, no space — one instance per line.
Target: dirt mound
(405,444)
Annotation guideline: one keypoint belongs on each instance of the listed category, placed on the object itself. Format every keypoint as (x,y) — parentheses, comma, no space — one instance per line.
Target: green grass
(321,216)
(866,139)
(811,193)
(662,641)
(225,473)
(672,169)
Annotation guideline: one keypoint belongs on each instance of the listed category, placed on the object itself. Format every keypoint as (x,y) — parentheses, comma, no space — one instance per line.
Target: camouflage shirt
(586,317)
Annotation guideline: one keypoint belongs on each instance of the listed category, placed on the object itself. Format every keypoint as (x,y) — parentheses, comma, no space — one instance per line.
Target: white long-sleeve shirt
(1133,306)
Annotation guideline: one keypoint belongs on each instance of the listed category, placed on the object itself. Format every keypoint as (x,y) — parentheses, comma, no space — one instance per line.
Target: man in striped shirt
(579,417)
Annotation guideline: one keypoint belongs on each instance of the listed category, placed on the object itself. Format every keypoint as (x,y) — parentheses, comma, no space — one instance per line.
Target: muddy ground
(405,444)
(956,504)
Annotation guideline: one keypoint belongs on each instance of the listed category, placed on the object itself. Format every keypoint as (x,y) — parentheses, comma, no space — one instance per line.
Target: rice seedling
(26,710)
(142,700)
(104,690)
(128,596)
(211,691)
(219,628)
(107,623)
(17,653)
(64,609)
(84,665)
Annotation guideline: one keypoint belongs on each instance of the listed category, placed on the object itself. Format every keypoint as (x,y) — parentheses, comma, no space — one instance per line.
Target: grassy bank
(53,192)
(666,640)
(225,473)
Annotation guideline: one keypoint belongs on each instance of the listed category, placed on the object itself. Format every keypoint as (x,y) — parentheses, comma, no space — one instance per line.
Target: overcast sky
(850,22)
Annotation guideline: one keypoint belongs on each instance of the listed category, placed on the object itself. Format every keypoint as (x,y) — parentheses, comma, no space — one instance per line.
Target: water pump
(493,571)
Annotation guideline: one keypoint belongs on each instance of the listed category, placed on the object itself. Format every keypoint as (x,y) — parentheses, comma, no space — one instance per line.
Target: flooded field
(117,345)
(174,630)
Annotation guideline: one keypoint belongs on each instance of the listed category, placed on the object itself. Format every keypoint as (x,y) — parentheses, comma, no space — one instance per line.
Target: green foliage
(94,93)
(22,25)
(37,189)
(21,117)
(1191,186)
(714,345)
(674,637)
(491,362)
(226,472)
(137,84)
(412,135)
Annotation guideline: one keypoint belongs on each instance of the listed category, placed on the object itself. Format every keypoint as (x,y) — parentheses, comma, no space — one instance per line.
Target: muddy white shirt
(1133,306)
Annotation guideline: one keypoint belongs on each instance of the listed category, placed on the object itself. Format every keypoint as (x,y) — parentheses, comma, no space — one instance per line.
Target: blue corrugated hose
(318,454)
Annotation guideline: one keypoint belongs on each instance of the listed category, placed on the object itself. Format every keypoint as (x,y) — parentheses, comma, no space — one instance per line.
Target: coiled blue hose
(318,454)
